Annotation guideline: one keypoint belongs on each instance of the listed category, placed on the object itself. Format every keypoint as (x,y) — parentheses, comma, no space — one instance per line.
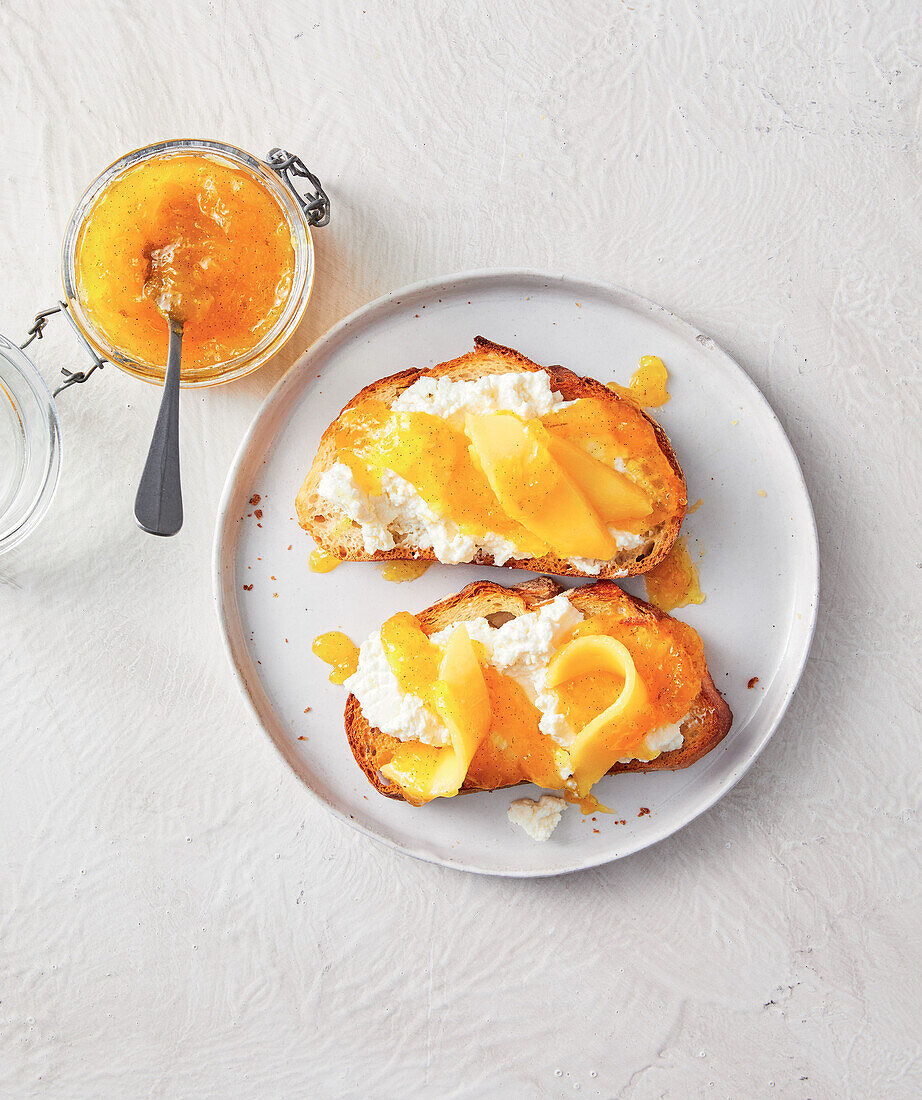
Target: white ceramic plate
(755,530)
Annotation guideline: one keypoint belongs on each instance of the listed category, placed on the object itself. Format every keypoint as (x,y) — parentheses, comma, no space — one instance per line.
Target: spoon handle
(158,505)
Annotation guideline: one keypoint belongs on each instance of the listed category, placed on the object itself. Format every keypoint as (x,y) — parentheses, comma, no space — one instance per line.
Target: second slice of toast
(706,724)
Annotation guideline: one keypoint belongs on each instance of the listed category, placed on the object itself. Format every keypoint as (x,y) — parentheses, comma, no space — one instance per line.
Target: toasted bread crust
(709,718)
(337,535)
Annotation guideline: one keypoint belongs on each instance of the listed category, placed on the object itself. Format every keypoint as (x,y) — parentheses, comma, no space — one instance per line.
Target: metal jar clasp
(37,331)
(314,205)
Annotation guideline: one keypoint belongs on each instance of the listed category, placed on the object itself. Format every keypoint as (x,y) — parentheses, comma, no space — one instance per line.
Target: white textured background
(177,917)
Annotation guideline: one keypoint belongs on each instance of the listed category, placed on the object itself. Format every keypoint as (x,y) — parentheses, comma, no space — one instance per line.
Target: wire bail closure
(316,206)
(37,331)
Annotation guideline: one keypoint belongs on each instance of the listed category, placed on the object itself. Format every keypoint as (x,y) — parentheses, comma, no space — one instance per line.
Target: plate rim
(451,281)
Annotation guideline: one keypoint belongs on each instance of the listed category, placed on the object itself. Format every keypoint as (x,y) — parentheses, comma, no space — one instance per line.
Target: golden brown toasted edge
(709,718)
(327,530)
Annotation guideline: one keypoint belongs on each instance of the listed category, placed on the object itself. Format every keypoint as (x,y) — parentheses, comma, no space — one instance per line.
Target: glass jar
(273,175)
(30,446)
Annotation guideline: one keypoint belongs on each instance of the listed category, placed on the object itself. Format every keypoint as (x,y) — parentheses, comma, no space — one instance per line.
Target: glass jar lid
(30,445)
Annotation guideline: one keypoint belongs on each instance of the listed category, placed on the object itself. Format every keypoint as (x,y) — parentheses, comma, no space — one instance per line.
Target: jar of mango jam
(202,230)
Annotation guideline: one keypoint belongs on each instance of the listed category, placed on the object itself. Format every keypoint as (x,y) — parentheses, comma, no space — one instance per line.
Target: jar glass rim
(302,281)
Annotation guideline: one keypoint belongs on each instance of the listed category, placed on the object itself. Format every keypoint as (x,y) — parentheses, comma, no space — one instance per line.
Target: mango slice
(613,495)
(460,697)
(533,488)
(464,705)
(614,732)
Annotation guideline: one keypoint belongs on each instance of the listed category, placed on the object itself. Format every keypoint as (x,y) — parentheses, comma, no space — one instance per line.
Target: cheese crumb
(538,819)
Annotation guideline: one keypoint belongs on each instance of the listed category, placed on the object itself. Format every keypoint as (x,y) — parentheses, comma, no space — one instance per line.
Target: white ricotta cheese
(592,566)
(400,515)
(385,704)
(415,523)
(525,642)
(666,738)
(374,514)
(538,819)
(527,393)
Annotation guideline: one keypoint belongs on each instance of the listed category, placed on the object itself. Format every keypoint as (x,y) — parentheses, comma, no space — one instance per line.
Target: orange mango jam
(400,571)
(674,582)
(322,562)
(668,659)
(413,659)
(338,650)
(192,237)
(647,387)
(550,484)
(514,749)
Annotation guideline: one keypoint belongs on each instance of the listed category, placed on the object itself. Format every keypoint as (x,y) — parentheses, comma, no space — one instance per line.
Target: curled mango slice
(615,731)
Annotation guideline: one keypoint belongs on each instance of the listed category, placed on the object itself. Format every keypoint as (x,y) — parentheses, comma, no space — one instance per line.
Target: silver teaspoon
(158,505)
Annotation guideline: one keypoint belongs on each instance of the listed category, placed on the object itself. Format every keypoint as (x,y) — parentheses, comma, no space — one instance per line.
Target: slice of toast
(336,534)
(706,726)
